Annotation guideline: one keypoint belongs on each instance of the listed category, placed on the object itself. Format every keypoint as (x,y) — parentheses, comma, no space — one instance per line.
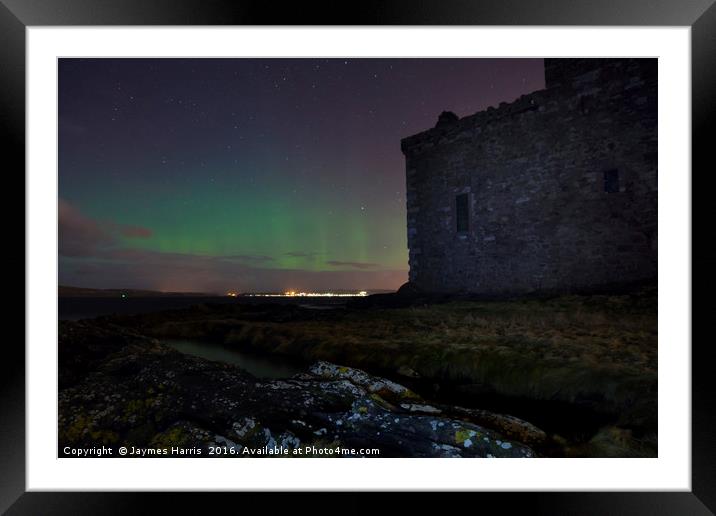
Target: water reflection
(261,366)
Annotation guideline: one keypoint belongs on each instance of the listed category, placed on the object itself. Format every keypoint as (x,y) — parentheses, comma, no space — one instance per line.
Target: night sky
(251,174)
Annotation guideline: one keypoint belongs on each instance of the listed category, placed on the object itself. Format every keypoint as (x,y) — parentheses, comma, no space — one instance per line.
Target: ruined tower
(556,191)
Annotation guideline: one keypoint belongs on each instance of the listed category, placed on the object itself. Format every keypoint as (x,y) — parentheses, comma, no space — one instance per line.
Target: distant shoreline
(67,291)
(74,292)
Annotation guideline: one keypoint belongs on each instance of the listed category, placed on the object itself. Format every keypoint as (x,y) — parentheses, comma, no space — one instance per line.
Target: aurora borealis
(251,174)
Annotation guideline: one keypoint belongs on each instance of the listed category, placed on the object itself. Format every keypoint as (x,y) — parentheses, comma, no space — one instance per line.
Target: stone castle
(556,191)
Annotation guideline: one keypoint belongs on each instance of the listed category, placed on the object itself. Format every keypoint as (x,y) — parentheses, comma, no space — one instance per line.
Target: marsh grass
(594,350)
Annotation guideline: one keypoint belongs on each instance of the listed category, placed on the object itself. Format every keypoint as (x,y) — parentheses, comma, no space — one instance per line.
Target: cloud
(252,258)
(82,236)
(352,265)
(301,254)
(79,235)
(95,254)
(177,272)
(136,232)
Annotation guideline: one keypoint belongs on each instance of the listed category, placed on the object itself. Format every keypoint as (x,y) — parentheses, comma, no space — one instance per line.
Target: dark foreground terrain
(569,376)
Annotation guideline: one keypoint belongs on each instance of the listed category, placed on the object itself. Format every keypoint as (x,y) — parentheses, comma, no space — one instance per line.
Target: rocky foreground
(121,389)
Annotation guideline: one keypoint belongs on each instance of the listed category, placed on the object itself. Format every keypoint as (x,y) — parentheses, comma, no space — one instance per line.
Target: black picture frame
(700,15)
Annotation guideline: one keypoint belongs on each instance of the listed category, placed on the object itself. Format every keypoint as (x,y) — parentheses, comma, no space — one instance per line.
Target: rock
(367,424)
(507,425)
(386,389)
(404,370)
(611,441)
(138,393)
(410,289)
(409,294)
(424,409)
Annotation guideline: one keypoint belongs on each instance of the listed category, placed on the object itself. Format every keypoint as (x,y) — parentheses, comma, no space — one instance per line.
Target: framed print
(408,240)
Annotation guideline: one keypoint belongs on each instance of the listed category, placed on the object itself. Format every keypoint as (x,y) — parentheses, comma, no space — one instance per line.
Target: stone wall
(540,182)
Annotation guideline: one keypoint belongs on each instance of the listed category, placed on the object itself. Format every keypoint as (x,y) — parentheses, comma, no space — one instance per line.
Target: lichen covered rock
(137,393)
(386,389)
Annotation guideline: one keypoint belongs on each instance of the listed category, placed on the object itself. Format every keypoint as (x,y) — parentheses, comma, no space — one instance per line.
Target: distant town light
(293,293)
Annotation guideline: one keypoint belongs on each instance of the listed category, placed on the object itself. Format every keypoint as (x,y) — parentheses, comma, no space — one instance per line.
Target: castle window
(611,181)
(462,213)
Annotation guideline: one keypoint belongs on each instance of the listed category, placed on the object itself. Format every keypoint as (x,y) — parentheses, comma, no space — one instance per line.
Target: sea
(76,308)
